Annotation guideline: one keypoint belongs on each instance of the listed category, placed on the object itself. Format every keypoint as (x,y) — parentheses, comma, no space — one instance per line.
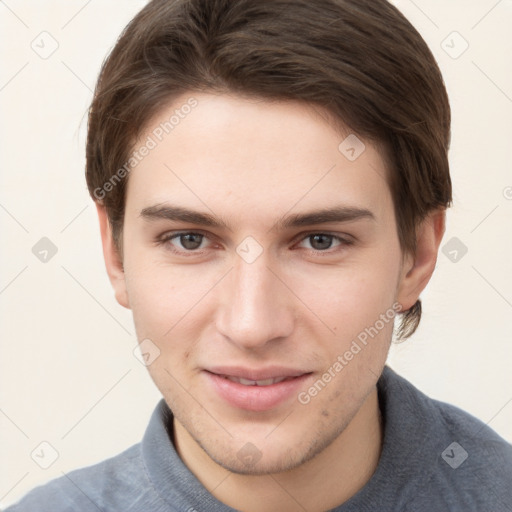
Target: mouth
(256,390)
(263,382)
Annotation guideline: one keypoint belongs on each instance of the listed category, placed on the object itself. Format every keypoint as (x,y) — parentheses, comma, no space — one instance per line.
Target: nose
(256,307)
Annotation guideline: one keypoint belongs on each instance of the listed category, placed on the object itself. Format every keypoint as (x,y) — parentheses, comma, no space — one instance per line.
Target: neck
(322,483)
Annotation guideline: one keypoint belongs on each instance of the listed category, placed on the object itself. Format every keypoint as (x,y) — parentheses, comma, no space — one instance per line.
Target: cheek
(167,302)
(349,298)
(163,304)
(152,299)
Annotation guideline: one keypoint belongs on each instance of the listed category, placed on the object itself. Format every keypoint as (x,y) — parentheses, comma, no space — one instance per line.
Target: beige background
(67,372)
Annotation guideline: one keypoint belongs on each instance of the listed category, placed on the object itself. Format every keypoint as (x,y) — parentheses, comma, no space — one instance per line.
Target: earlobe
(113,260)
(418,268)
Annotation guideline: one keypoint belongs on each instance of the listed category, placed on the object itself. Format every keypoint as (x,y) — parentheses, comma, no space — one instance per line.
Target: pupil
(321,241)
(190,241)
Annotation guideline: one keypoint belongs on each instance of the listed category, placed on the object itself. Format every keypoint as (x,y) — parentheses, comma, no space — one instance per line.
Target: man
(271,179)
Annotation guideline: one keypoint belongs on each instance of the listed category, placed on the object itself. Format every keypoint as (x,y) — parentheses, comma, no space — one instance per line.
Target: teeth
(248,382)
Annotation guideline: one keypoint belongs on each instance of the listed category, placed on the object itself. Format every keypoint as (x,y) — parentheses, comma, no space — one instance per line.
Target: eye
(323,241)
(184,241)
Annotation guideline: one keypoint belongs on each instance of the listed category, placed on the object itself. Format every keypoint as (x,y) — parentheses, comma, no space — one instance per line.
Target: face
(256,256)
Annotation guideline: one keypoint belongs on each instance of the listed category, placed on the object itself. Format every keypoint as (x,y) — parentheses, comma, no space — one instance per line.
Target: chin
(268,457)
(277,462)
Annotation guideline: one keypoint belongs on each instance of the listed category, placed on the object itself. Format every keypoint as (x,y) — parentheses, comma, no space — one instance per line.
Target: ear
(113,260)
(418,268)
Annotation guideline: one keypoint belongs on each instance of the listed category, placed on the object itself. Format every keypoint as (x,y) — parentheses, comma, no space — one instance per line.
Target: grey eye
(191,241)
(320,242)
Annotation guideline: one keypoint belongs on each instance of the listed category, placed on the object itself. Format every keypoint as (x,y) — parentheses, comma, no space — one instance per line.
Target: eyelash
(168,237)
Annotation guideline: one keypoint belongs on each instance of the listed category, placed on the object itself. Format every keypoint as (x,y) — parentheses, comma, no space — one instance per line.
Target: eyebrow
(311,218)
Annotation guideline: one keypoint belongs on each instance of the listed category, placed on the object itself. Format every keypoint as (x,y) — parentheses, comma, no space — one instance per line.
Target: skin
(251,163)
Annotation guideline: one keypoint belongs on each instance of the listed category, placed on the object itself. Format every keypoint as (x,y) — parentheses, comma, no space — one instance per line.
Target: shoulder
(114,484)
(474,447)
(465,465)
(475,466)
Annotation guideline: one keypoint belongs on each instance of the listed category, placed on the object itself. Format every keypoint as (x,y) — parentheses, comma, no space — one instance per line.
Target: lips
(255,389)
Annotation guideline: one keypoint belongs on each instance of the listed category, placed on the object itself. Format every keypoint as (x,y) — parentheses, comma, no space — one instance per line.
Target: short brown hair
(359,60)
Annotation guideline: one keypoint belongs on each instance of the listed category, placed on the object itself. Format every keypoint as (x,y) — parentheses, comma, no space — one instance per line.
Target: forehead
(232,154)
